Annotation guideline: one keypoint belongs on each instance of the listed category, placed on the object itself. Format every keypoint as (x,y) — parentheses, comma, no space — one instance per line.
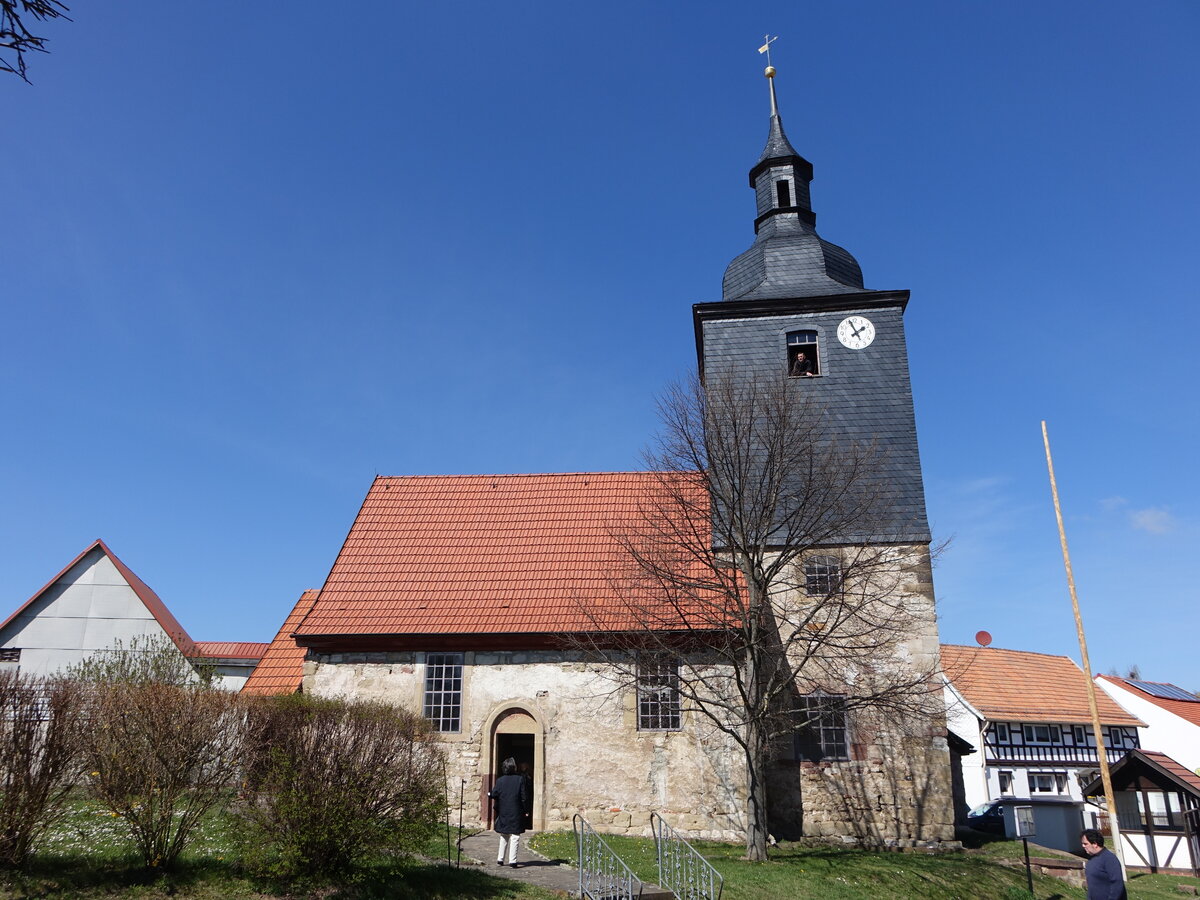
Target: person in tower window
(510,798)
(802,366)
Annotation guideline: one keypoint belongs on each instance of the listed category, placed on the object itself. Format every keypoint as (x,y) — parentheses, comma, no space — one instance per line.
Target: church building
(458,595)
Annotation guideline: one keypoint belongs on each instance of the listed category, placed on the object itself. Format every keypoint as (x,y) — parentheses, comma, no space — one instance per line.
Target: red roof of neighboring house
(486,554)
(151,600)
(1019,686)
(282,666)
(1185,709)
(232,649)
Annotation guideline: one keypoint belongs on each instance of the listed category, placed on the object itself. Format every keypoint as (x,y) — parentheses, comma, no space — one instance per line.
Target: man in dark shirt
(802,366)
(1105,880)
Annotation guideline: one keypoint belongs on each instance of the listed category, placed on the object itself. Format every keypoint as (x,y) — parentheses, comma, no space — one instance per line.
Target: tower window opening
(803,361)
(783,193)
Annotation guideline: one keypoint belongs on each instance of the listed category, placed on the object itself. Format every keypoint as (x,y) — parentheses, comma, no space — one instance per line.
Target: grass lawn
(796,872)
(88,856)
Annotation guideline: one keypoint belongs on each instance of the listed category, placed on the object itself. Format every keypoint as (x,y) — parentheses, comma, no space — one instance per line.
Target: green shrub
(330,781)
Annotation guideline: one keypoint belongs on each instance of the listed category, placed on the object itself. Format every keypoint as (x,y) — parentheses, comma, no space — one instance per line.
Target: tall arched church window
(803,358)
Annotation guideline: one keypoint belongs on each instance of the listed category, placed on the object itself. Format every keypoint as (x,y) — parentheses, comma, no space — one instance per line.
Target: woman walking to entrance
(510,799)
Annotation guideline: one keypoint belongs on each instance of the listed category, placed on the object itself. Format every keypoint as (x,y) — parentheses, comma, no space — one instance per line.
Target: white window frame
(442,700)
(658,706)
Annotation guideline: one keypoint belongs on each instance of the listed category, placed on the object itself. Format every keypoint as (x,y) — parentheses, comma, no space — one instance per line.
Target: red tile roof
(249,650)
(482,554)
(1126,772)
(1182,708)
(157,608)
(1019,686)
(1175,768)
(282,666)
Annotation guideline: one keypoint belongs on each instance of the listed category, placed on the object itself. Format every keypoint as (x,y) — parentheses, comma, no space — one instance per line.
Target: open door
(516,736)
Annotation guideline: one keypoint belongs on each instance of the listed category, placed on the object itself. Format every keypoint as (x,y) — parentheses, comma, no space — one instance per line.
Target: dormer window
(802,358)
(783,193)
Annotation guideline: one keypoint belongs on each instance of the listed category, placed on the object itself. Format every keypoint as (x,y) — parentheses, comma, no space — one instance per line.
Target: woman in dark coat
(510,798)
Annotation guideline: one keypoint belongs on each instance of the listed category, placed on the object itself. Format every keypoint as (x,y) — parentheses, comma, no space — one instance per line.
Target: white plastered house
(95,602)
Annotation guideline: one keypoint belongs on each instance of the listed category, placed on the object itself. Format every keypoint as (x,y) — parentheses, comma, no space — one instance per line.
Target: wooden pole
(1101,756)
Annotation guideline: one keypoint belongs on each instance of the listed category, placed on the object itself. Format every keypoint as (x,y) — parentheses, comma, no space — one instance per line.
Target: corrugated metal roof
(1019,686)
(282,665)
(483,554)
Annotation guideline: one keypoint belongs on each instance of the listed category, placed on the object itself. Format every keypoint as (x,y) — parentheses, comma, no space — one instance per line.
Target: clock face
(856,332)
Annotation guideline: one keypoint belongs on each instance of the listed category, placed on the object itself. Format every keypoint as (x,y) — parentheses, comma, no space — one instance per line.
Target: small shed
(1158,811)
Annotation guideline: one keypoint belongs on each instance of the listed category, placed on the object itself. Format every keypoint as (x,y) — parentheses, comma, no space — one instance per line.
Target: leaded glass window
(443,690)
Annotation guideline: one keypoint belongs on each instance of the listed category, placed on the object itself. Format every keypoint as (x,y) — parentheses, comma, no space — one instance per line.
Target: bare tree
(761,563)
(40,732)
(15,35)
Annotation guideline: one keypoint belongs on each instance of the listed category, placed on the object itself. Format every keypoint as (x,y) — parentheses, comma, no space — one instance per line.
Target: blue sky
(255,257)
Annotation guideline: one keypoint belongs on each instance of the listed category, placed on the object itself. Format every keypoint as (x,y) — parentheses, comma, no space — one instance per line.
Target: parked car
(988,817)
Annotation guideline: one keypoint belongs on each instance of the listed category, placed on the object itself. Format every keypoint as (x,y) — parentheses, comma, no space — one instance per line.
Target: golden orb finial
(769,71)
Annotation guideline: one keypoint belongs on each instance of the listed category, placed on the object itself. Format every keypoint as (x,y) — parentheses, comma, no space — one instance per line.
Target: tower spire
(788,257)
(770,70)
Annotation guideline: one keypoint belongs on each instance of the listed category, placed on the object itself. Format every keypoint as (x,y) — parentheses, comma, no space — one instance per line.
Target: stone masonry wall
(895,790)
(590,757)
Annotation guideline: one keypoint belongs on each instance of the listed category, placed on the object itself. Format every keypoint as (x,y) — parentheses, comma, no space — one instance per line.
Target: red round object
(982,638)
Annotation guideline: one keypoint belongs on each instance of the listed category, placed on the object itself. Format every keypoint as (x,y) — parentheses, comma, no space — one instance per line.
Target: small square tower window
(803,361)
(822,575)
(824,728)
(783,193)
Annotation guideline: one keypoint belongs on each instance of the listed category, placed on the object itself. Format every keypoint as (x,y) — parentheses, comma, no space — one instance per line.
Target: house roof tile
(1177,769)
(1183,708)
(282,665)
(232,649)
(483,554)
(1020,686)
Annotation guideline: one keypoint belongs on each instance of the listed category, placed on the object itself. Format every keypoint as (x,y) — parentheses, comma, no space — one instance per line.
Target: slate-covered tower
(794,307)
(793,292)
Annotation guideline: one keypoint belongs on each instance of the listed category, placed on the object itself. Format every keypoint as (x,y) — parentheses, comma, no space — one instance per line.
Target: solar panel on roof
(1165,691)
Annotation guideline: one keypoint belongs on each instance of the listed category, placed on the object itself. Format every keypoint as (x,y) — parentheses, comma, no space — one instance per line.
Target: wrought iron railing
(680,867)
(602,874)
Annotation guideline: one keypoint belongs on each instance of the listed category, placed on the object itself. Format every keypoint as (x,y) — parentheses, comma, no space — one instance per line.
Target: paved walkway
(532,867)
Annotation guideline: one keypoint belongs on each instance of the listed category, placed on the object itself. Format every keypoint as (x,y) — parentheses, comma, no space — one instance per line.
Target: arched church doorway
(516,734)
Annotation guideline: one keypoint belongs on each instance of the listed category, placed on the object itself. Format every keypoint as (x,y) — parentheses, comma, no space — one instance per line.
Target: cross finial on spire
(770,70)
(766,47)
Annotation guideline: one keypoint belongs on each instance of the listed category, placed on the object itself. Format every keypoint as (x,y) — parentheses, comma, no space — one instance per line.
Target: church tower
(794,304)
(794,310)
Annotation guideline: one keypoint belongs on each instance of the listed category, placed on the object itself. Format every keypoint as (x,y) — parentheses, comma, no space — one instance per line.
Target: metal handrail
(681,868)
(602,874)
